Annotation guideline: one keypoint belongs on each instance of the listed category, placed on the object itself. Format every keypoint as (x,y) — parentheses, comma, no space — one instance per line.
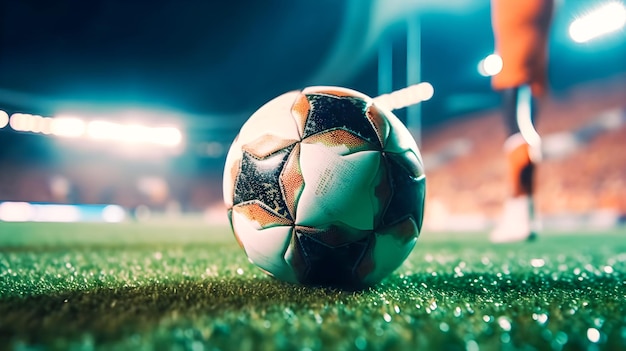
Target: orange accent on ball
(292,181)
(339,137)
(379,123)
(300,111)
(256,212)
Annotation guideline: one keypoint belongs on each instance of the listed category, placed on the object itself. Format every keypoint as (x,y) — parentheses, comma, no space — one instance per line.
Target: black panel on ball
(318,264)
(407,198)
(332,112)
(259,180)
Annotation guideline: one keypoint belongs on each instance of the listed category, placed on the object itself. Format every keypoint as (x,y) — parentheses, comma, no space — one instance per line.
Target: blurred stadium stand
(582,180)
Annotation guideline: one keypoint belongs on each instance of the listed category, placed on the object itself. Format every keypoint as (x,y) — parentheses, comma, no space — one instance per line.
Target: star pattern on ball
(259,181)
(339,112)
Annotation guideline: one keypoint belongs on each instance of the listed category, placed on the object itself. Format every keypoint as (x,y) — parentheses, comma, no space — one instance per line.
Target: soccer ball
(325,188)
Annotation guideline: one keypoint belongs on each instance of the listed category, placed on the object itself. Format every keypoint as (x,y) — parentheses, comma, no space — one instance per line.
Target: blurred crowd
(160,192)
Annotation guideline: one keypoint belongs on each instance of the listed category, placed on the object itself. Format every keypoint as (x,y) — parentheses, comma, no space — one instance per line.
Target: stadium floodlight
(11,211)
(26,122)
(133,133)
(113,214)
(490,65)
(102,130)
(19,122)
(16,211)
(605,19)
(67,127)
(73,127)
(167,136)
(4,119)
(55,213)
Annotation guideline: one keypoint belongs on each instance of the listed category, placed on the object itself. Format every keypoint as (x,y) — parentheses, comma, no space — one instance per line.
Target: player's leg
(521,148)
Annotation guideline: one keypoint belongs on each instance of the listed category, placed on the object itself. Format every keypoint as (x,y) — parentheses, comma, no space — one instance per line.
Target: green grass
(171,286)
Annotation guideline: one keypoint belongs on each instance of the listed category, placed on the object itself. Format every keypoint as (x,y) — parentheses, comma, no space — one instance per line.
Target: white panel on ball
(275,117)
(263,246)
(338,189)
(228,182)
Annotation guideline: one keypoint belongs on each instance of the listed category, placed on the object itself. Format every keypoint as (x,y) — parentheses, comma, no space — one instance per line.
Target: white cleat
(517,222)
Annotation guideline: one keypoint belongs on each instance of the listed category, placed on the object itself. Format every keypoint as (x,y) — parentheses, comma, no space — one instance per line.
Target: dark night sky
(227,58)
(204,56)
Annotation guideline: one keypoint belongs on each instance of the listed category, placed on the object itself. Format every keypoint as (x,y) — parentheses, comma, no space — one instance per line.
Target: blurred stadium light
(490,65)
(408,96)
(37,212)
(66,126)
(609,17)
(4,119)
(133,133)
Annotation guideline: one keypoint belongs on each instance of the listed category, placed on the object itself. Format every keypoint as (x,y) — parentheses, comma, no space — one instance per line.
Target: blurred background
(124,110)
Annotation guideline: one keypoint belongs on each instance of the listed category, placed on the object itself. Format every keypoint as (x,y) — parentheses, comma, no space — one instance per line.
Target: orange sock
(520,166)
